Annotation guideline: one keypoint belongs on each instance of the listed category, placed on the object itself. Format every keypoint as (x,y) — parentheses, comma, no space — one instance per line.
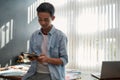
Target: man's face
(45,19)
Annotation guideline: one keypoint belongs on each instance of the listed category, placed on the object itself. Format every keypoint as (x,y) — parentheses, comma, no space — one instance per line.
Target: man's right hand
(32,57)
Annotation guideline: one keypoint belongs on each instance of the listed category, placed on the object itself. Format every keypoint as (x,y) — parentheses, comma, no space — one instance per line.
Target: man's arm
(43,58)
(56,61)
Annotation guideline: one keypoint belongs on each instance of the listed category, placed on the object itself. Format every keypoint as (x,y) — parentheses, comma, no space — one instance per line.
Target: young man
(50,45)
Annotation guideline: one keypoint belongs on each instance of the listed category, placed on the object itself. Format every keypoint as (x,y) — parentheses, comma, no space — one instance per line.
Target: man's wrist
(48,60)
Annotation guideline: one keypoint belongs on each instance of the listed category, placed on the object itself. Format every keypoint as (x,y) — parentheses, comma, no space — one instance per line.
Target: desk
(99,78)
(16,73)
(11,77)
(20,78)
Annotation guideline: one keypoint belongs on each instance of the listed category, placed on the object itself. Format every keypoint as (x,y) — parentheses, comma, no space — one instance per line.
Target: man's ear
(53,17)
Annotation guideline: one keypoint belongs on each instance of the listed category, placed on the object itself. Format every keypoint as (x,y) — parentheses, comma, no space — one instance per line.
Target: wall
(15,30)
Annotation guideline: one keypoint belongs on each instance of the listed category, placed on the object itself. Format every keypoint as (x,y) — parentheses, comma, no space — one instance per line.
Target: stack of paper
(73,74)
(12,73)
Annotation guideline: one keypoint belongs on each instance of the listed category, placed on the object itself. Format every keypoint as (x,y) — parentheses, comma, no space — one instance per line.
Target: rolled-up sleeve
(63,50)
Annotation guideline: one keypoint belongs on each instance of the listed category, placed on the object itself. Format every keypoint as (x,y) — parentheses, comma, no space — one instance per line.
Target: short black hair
(46,7)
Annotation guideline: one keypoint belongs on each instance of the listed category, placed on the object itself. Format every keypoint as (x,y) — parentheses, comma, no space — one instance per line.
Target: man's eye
(46,20)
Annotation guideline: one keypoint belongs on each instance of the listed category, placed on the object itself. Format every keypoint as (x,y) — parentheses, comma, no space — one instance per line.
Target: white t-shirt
(43,68)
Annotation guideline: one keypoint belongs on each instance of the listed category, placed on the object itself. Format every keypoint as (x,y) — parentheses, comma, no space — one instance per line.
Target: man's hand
(43,58)
(32,57)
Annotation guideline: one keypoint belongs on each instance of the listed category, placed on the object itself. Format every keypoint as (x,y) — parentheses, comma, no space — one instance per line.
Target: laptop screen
(110,69)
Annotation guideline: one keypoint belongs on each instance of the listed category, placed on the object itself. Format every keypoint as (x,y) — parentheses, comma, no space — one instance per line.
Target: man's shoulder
(36,32)
(60,33)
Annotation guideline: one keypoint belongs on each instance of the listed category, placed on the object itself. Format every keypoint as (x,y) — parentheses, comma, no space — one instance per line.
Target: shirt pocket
(54,51)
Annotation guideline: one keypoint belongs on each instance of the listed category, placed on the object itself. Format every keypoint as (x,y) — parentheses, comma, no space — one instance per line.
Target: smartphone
(30,56)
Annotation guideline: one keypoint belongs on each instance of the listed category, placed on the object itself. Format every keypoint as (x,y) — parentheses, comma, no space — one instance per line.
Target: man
(50,46)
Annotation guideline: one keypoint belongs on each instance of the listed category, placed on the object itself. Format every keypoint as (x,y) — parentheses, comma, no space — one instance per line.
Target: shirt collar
(50,32)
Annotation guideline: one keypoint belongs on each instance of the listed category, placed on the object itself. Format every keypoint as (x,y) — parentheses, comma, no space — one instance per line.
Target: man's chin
(44,27)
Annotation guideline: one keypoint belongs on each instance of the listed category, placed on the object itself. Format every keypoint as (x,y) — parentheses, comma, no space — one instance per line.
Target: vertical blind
(92,28)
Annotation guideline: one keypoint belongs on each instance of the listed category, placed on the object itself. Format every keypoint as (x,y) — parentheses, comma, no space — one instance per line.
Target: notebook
(110,70)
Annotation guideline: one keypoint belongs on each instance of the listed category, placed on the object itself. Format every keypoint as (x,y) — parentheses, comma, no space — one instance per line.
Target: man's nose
(42,22)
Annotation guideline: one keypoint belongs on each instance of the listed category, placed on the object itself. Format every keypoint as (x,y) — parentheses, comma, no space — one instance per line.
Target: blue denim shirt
(57,48)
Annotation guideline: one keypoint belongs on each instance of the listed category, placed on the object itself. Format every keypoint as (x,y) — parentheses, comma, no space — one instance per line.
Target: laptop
(110,71)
